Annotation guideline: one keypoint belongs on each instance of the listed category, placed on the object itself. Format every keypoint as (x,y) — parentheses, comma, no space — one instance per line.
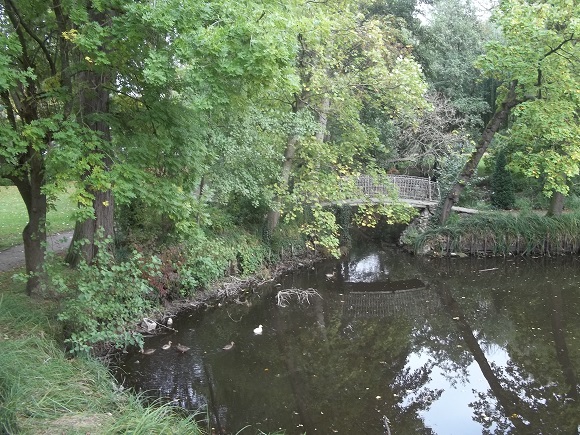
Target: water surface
(427,346)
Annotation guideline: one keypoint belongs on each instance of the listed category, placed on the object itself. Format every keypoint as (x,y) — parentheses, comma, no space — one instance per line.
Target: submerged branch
(283,296)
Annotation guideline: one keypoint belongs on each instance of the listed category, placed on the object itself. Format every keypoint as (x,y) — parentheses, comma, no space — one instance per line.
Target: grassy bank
(500,234)
(44,392)
(13,216)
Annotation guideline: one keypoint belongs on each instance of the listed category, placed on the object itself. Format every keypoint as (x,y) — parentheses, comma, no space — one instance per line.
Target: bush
(105,300)
(502,196)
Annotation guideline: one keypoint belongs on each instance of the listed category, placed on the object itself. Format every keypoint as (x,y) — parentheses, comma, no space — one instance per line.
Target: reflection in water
(451,413)
(368,268)
(436,346)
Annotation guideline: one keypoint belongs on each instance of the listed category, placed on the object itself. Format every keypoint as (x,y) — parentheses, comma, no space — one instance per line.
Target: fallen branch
(303,296)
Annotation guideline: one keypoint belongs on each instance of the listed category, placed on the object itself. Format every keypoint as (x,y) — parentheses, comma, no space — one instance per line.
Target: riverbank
(495,233)
(231,287)
(45,391)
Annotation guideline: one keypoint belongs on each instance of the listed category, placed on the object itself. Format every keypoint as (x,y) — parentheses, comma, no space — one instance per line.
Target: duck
(147,351)
(258,330)
(181,348)
(166,346)
(169,321)
(228,346)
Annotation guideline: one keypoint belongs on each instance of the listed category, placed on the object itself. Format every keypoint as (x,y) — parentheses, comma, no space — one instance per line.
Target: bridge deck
(418,192)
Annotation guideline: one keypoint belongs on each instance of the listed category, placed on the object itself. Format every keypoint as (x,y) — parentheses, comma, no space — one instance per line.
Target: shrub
(503,196)
(105,299)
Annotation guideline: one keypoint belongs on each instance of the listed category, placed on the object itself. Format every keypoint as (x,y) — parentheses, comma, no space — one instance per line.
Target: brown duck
(181,348)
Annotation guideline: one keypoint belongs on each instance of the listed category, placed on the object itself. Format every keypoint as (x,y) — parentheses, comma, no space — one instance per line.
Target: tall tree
(345,62)
(537,58)
(545,140)
(502,195)
(452,38)
(29,119)
(110,95)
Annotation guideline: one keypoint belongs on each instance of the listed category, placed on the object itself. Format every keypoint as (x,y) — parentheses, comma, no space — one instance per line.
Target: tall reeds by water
(496,233)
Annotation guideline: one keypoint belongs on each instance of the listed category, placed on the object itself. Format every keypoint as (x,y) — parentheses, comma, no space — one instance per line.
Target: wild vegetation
(504,234)
(199,139)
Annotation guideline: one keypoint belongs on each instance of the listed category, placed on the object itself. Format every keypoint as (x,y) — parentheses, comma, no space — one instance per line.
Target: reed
(504,233)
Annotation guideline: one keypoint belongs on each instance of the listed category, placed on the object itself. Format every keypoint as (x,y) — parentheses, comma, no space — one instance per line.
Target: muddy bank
(231,288)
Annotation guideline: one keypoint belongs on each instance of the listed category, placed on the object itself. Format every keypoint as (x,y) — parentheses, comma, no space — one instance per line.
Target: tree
(450,42)
(536,60)
(502,186)
(32,112)
(545,142)
(425,143)
(345,62)
(110,96)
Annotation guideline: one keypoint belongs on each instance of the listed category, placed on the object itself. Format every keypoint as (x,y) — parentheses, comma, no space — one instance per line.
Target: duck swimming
(166,346)
(147,351)
(228,346)
(181,348)
(258,330)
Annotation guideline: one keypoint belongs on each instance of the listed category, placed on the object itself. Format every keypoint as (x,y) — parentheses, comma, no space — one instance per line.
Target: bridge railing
(409,187)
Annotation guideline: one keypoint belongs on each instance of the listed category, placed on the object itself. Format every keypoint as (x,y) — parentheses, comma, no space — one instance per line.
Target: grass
(44,392)
(503,233)
(13,216)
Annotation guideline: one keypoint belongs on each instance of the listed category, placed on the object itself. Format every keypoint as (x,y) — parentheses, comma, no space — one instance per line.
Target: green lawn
(13,216)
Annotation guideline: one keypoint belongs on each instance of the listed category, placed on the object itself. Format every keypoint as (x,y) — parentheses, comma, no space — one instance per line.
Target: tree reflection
(537,390)
(322,368)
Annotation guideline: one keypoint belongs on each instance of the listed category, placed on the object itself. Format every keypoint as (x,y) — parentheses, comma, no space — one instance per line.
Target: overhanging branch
(29,31)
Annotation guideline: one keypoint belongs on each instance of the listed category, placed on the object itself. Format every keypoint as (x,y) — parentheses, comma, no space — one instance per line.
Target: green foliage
(205,257)
(449,44)
(501,233)
(43,390)
(502,185)
(211,257)
(105,299)
(540,39)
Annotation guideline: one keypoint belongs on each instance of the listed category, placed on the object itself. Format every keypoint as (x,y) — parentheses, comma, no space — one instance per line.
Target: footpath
(13,258)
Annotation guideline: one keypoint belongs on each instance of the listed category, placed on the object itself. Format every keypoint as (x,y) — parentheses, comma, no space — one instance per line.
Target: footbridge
(418,192)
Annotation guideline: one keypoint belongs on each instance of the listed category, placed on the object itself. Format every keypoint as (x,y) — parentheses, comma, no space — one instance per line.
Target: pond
(391,343)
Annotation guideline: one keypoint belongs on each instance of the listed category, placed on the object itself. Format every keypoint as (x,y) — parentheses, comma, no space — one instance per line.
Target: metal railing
(408,187)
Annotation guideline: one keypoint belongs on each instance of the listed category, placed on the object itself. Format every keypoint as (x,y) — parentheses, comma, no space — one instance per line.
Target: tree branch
(28,30)
(558,47)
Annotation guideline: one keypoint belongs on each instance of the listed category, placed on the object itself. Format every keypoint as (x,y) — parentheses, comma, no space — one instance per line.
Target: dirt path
(12,258)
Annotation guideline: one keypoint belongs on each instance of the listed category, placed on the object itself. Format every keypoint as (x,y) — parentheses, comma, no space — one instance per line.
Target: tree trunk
(88,230)
(509,401)
(556,204)
(562,351)
(93,104)
(291,146)
(323,118)
(498,119)
(273,217)
(34,234)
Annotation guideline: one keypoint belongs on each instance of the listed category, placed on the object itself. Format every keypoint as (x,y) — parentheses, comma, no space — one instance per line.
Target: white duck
(258,330)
